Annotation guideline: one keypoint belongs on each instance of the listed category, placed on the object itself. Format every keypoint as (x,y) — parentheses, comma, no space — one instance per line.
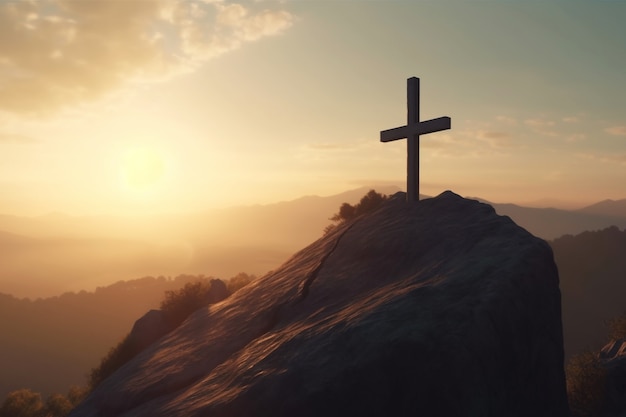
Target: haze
(137,107)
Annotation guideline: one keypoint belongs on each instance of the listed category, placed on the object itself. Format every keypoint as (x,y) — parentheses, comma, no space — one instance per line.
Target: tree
(178,305)
(347,212)
(239,281)
(586,384)
(57,405)
(370,202)
(111,362)
(22,403)
(617,327)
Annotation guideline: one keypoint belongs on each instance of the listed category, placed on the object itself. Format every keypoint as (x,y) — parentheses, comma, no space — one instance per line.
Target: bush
(369,202)
(586,384)
(22,403)
(113,360)
(239,281)
(617,328)
(57,405)
(179,304)
(26,403)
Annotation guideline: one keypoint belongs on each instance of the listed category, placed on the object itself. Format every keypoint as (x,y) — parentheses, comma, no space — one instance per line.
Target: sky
(150,106)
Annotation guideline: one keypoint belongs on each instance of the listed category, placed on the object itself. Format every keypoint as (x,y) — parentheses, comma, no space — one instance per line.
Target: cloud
(539,123)
(616,130)
(496,139)
(619,158)
(542,126)
(507,120)
(462,144)
(58,53)
(576,137)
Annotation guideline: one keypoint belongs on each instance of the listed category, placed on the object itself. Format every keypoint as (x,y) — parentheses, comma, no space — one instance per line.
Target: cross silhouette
(411,132)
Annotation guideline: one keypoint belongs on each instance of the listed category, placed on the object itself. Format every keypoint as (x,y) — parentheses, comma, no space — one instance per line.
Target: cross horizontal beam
(422,128)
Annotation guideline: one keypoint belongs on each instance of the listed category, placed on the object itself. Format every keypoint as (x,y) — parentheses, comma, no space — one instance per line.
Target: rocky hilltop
(440,308)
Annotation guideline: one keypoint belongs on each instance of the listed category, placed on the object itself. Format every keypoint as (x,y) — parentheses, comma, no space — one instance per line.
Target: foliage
(179,304)
(239,281)
(26,403)
(22,403)
(347,212)
(586,380)
(57,405)
(77,394)
(112,361)
(617,327)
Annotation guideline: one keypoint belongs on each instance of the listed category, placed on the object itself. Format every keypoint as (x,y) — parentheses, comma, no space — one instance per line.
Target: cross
(411,132)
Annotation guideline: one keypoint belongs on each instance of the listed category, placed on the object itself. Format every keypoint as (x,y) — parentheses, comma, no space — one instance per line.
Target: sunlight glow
(142,170)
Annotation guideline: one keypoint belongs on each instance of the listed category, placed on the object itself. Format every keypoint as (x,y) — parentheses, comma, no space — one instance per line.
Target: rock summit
(437,308)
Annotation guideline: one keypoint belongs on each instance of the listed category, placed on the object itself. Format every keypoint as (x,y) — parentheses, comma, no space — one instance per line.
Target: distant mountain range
(592,268)
(614,208)
(550,223)
(48,255)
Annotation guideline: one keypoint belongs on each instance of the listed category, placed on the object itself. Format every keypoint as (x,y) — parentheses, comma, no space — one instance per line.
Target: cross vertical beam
(411,132)
(412,140)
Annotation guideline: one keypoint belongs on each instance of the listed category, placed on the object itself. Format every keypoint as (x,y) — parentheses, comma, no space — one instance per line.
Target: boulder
(440,308)
(147,330)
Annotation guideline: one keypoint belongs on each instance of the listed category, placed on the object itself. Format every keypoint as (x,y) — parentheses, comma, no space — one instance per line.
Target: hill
(615,208)
(592,267)
(550,223)
(56,334)
(440,308)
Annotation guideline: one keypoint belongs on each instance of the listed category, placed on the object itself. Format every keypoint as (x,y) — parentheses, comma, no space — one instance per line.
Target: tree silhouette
(22,403)
(347,212)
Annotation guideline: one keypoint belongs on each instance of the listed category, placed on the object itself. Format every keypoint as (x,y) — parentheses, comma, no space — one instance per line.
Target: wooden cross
(411,132)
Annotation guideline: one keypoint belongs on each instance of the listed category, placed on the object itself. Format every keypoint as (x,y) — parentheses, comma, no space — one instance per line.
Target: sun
(142,169)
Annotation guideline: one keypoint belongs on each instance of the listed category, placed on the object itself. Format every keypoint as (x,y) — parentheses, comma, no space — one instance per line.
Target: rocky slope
(440,308)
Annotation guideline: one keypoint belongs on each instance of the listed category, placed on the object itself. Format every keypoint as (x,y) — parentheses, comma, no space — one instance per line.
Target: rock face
(148,329)
(154,324)
(440,308)
(613,359)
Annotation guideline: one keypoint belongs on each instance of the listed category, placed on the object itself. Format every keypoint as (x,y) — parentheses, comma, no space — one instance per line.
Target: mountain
(440,308)
(592,267)
(550,223)
(607,208)
(48,255)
